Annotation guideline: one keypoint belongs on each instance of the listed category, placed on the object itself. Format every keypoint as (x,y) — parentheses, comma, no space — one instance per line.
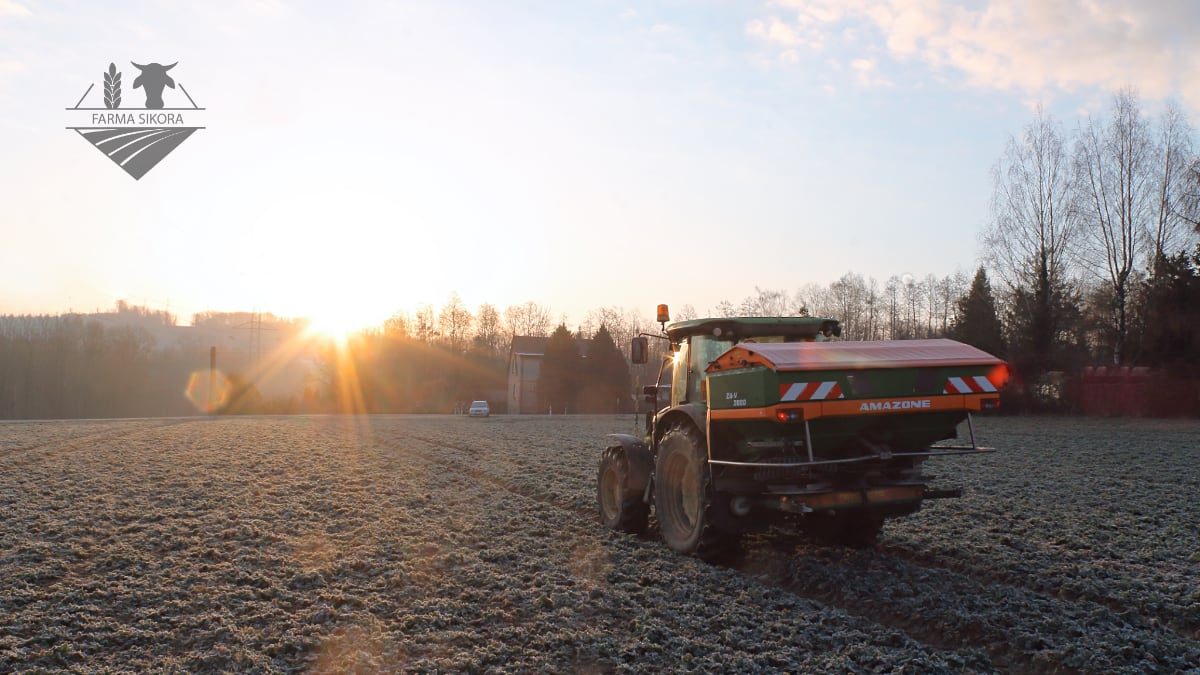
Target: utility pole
(255,326)
(212,379)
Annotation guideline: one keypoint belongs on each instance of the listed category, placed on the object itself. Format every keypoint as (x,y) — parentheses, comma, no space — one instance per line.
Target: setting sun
(337,325)
(339,315)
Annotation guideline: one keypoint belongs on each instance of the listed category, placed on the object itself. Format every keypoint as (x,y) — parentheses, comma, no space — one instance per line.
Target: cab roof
(742,327)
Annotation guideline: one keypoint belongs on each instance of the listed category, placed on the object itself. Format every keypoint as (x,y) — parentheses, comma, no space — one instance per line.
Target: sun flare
(329,328)
(338,324)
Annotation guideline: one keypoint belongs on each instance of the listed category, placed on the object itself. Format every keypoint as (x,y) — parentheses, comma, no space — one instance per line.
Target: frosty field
(447,543)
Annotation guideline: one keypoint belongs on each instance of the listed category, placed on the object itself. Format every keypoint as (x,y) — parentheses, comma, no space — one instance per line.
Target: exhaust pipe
(740,506)
(945,493)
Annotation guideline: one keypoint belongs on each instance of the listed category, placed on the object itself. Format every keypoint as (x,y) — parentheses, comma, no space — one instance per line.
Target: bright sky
(363,157)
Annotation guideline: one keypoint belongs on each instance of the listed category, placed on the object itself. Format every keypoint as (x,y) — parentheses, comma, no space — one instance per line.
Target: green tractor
(763,421)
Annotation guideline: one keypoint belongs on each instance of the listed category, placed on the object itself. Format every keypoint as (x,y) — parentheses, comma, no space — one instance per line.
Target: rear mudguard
(696,413)
(641,462)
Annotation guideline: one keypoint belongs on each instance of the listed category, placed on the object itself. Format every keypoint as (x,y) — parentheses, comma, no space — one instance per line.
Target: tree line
(117,364)
(435,359)
(1092,239)
(431,359)
(70,367)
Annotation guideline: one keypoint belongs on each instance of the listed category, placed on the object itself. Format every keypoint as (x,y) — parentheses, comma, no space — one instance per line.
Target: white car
(479,409)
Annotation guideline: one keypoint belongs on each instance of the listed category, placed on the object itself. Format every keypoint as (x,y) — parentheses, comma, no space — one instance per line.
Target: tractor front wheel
(621,506)
(683,496)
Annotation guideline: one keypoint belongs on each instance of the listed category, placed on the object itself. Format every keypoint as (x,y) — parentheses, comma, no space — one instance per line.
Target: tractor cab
(695,344)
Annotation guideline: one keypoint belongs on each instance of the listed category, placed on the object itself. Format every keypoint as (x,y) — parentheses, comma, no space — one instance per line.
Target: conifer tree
(558,380)
(1043,324)
(606,387)
(978,322)
(1172,308)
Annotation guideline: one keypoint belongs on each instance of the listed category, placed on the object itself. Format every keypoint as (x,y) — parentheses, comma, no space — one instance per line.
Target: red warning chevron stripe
(969,385)
(810,391)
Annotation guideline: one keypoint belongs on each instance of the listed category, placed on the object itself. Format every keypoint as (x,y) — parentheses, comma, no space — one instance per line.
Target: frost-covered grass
(454,544)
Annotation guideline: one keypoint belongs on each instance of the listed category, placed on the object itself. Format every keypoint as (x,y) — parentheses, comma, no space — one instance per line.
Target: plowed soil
(447,543)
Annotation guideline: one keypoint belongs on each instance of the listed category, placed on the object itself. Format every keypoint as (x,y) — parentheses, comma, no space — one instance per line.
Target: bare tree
(1114,168)
(930,297)
(686,313)
(725,309)
(454,323)
(849,298)
(1032,231)
(1033,219)
(812,300)
(397,325)
(622,325)
(766,302)
(1174,165)
(425,323)
(891,301)
(609,317)
(529,318)
(874,302)
(951,288)
(913,301)
(489,333)
(637,323)
(1189,199)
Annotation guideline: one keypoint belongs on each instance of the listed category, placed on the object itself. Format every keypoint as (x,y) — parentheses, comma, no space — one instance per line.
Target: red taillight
(999,375)
(792,415)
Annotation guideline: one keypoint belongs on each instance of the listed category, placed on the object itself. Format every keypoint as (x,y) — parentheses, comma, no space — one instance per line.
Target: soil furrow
(97,435)
(75,442)
(578,525)
(1183,626)
(754,570)
(425,543)
(509,486)
(1097,521)
(845,582)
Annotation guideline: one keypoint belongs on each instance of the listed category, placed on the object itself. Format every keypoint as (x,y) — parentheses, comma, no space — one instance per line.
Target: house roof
(529,344)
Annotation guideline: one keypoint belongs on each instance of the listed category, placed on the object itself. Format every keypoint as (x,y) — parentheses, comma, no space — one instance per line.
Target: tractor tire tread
(713,544)
(633,515)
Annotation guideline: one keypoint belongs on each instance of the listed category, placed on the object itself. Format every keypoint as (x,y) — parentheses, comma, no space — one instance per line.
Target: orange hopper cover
(794,356)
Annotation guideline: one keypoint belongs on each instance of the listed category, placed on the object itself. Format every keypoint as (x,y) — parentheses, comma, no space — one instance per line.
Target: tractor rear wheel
(621,506)
(683,496)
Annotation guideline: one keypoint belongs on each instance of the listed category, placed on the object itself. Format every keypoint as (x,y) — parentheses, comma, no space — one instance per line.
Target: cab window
(704,350)
(679,375)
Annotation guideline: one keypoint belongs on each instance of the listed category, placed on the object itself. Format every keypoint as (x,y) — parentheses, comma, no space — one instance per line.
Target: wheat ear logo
(112,87)
(137,139)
